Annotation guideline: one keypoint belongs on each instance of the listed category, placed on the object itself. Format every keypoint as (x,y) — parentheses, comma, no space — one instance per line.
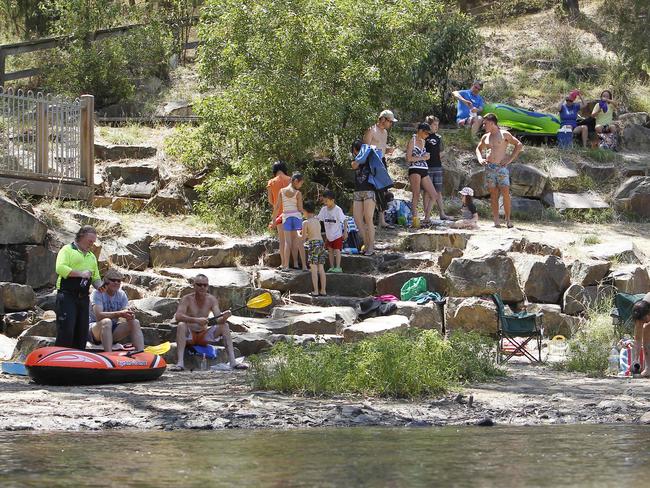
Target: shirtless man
(192,316)
(377,136)
(495,142)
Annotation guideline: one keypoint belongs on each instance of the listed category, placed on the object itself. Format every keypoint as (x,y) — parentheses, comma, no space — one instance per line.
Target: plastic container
(204,363)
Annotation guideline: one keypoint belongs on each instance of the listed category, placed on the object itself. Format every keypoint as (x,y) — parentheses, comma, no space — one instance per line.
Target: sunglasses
(202,285)
(114,280)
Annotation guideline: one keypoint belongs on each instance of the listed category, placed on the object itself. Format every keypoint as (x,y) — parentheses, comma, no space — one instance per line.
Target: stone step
(346,284)
(434,240)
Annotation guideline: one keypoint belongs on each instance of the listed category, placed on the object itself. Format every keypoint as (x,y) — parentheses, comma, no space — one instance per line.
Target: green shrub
(107,68)
(401,365)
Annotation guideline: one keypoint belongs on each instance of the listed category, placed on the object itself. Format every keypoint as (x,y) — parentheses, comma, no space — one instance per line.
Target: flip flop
(175,367)
(312,294)
(510,225)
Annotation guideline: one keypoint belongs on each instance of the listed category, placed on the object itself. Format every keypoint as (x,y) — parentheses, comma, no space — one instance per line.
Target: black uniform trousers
(72,319)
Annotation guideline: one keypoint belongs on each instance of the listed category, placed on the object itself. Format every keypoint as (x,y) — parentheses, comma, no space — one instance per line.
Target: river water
(546,456)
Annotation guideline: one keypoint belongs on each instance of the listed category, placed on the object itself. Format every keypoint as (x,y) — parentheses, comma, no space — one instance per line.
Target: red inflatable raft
(65,366)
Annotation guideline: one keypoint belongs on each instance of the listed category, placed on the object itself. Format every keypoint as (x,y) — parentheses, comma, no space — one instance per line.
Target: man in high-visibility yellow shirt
(77,268)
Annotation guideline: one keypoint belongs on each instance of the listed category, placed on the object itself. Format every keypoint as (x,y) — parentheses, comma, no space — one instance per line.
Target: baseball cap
(388,114)
(467,191)
(573,94)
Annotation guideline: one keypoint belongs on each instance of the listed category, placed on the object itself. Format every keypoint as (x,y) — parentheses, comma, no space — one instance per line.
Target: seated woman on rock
(641,316)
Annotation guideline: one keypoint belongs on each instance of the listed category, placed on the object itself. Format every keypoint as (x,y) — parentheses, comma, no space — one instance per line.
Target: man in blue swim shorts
(494,144)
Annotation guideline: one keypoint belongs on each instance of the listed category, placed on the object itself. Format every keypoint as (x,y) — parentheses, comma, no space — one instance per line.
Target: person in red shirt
(280,180)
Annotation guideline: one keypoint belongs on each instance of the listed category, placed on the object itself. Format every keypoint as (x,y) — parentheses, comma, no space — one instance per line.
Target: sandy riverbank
(217,400)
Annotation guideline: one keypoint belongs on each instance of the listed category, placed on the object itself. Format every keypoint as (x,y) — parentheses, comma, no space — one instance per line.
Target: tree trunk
(572,7)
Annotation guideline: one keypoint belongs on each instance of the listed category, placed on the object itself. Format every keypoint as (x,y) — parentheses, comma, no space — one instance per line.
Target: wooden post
(3,66)
(88,141)
(42,138)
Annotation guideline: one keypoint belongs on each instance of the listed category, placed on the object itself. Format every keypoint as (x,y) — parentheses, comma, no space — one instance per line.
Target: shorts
(316,253)
(466,121)
(335,244)
(361,196)
(292,223)
(436,178)
(203,337)
(91,337)
(423,172)
(496,175)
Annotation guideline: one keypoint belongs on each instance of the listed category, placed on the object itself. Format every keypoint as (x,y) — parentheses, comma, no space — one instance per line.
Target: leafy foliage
(107,68)
(402,365)
(632,18)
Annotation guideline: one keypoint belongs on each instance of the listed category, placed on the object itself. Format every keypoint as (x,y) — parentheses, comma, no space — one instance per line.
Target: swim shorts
(436,178)
(292,223)
(423,172)
(496,175)
(360,196)
(335,244)
(316,253)
(202,337)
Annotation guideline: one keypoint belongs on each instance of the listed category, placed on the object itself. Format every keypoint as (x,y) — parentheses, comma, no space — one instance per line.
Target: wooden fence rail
(46,43)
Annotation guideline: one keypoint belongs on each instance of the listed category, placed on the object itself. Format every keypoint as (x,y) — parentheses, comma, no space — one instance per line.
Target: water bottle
(613,360)
(204,363)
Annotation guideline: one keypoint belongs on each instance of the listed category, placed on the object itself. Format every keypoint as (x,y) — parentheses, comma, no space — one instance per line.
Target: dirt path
(209,400)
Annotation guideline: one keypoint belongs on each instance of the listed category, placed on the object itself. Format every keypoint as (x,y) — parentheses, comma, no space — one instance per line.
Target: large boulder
(471,314)
(589,272)
(478,183)
(579,299)
(622,251)
(393,262)
(375,326)
(527,181)
(534,247)
(5,266)
(42,328)
(543,278)
(300,282)
(345,315)
(324,322)
(428,316)
(18,225)
(523,208)
(599,172)
(453,180)
(252,342)
(447,255)
(16,323)
(566,201)
(15,297)
(553,321)
(392,284)
(631,279)
(564,177)
(435,240)
(27,344)
(485,275)
(32,265)
(633,195)
(166,307)
(636,138)
(633,118)
(131,254)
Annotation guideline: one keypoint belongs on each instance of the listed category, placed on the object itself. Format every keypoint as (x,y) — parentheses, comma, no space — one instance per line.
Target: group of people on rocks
(104,317)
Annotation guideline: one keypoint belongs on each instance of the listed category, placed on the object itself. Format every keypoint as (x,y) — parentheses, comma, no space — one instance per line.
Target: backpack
(412,288)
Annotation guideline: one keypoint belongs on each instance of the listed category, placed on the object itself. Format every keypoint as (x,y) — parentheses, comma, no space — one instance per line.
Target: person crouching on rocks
(291,203)
(641,316)
(315,249)
(192,316)
(76,267)
(469,218)
(110,317)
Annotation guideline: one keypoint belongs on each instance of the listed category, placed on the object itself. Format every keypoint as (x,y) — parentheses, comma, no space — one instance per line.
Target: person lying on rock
(110,317)
(193,328)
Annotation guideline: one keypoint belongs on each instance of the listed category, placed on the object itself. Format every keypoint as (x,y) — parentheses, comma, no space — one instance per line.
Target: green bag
(413,287)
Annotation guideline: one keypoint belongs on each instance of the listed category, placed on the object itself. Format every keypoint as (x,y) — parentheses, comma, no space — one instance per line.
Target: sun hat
(646,298)
(467,191)
(388,114)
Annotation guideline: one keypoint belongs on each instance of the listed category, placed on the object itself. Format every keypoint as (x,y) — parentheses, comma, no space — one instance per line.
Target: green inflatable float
(526,121)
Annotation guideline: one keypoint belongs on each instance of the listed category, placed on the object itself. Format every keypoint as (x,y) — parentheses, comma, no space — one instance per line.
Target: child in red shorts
(336,230)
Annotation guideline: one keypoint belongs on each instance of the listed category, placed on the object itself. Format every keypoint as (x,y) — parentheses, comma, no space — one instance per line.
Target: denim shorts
(292,223)
(497,175)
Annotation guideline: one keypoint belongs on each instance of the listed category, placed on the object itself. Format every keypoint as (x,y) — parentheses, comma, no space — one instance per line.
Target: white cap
(388,114)
(467,191)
